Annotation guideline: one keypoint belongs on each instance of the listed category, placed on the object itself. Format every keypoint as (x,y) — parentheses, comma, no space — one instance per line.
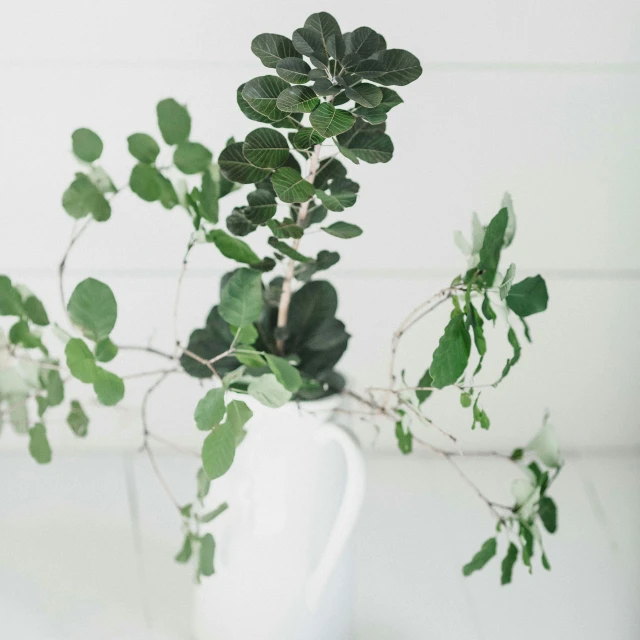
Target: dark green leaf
(235,166)
(262,206)
(329,121)
(10,299)
(209,196)
(306,137)
(143,147)
(39,444)
(210,410)
(370,147)
(487,309)
(425,381)
(83,198)
(324,24)
(308,42)
(513,341)
(205,558)
(293,70)
(192,157)
(262,93)
(545,562)
(86,145)
(232,247)
(390,99)
(528,296)
(20,334)
(241,298)
(391,67)
(168,195)
(481,558)
(93,309)
(298,99)
(108,387)
(365,94)
(452,354)
(80,360)
(507,281)
(35,311)
(517,454)
(271,48)
(288,251)
(364,42)
(290,186)
(324,87)
(492,247)
(377,115)
(174,121)
(265,148)
(548,514)
(78,419)
(285,229)
(343,230)
(311,306)
(480,416)
(238,224)
(507,564)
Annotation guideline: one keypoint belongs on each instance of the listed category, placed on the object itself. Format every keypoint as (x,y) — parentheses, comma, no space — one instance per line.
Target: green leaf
(241,298)
(80,360)
(204,484)
(404,438)
(337,200)
(487,310)
(143,147)
(527,541)
(288,376)
(390,99)
(480,416)
(83,198)
(324,24)
(306,138)
(364,42)
(93,309)
(78,419)
(262,206)
(55,388)
(452,353)
(271,48)
(86,145)
(365,94)
(391,67)
(205,557)
(238,224)
(513,341)
(185,552)
(10,299)
(290,186)
(265,148)
(268,391)
(507,281)
(425,381)
(308,42)
(329,121)
(293,70)
(39,444)
(249,357)
(311,306)
(507,564)
(20,334)
(105,350)
(145,182)
(465,400)
(262,93)
(246,335)
(209,195)
(548,514)
(374,116)
(219,450)
(343,230)
(288,251)
(174,121)
(168,195)
(370,147)
(285,229)
(528,296)
(192,157)
(492,247)
(108,387)
(35,311)
(545,562)
(481,558)
(212,515)
(210,410)
(235,166)
(298,99)
(232,247)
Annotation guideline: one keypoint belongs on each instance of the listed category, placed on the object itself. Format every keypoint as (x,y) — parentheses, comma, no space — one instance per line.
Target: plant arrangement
(322,105)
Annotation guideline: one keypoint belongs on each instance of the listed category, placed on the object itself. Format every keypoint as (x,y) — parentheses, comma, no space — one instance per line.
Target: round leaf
(262,93)
(235,166)
(86,145)
(145,183)
(174,121)
(39,447)
(83,198)
(93,308)
(108,387)
(290,186)
(219,450)
(293,70)
(288,376)
(271,48)
(391,67)
(298,99)
(80,360)
(210,410)
(241,298)
(364,42)
(306,137)
(265,148)
(371,147)
(365,94)
(329,121)
(262,206)
(268,391)
(192,157)
(143,147)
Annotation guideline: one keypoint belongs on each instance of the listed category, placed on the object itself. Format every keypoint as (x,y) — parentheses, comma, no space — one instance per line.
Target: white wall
(538,98)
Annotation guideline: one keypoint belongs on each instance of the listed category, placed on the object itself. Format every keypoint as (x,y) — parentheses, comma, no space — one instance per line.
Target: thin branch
(176,302)
(152,350)
(75,236)
(173,445)
(144,374)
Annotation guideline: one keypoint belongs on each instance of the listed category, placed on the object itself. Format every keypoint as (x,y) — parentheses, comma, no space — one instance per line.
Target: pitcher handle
(347,513)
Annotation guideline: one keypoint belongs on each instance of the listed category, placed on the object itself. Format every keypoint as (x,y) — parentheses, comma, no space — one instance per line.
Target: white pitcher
(284,558)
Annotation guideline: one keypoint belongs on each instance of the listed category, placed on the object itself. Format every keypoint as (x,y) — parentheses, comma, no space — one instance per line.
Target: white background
(537,98)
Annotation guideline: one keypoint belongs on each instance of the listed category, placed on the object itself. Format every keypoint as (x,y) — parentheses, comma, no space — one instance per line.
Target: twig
(75,235)
(176,302)
(144,374)
(173,445)
(153,350)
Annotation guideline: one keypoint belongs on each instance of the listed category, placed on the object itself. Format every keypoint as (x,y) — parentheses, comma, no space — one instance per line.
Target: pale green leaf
(241,298)
(210,410)
(93,309)
(174,121)
(268,391)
